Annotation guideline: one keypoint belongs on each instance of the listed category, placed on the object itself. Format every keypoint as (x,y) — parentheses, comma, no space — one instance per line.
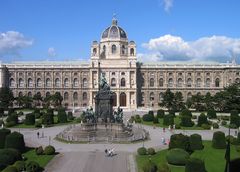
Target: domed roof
(114,31)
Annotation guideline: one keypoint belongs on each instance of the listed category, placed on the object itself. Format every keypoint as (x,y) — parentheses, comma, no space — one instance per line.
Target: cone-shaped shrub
(177,156)
(195,142)
(195,165)
(3,134)
(15,140)
(30,119)
(219,140)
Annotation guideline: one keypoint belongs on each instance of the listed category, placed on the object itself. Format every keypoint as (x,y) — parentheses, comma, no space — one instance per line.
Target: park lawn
(43,160)
(213,158)
(177,120)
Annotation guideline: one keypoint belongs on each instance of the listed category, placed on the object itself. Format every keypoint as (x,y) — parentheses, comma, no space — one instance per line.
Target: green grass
(177,120)
(43,160)
(213,158)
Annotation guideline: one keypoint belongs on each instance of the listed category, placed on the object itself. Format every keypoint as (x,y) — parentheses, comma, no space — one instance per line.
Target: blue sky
(163,29)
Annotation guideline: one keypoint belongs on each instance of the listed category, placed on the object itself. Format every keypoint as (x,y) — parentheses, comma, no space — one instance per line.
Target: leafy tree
(6,97)
(168,99)
(178,101)
(208,101)
(197,102)
(57,99)
(37,98)
(24,101)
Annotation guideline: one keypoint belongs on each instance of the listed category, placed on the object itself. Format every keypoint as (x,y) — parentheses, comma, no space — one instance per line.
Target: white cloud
(11,42)
(168,47)
(167,4)
(52,52)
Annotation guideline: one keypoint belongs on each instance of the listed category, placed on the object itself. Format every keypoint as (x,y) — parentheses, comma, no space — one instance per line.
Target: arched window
(57,82)
(65,96)
(217,82)
(75,82)
(30,82)
(85,84)
(94,51)
(123,50)
(104,48)
(123,82)
(151,97)
(11,82)
(20,94)
(152,82)
(48,94)
(75,96)
(123,99)
(180,82)
(237,80)
(208,82)
(39,82)
(161,97)
(48,82)
(114,99)
(170,82)
(29,94)
(66,83)
(189,95)
(113,82)
(143,82)
(161,82)
(189,82)
(21,82)
(114,49)
(132,51)
(198,82)
(84,96)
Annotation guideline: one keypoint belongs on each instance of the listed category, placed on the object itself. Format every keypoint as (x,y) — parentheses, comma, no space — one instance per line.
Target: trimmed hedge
(47,119)
(29,119)
(186,121)
(49,150)
(155,120)
(150,167)
(186,112)
(168,120)
(10,169)
(32,166)
(15,140)
(195,165)
(151,151)
(179,141)
(215,125)
(177,157)
(202,119)
(211,114)
(8,156)
(39,150)
(142,151)
(195,141)
(12,118)
(3,134)
(20,165)
(148,117)
(160,113)
(219,140)
(62,116)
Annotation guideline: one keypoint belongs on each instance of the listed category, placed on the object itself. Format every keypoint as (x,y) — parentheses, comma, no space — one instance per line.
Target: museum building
(134,84)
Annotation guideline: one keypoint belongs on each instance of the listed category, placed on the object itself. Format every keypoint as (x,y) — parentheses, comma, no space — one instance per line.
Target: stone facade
(134,84)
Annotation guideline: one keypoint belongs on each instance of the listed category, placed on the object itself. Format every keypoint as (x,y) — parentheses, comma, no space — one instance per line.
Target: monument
(103,125)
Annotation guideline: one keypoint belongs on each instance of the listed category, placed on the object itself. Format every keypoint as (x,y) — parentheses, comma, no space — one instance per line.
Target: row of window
(114,50)
(180,82)
(152,96)
(48,82)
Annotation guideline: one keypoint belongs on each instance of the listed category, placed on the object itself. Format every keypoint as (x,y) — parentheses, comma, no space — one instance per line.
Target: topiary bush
(234,165)
(10,169)
(3,134)
(215,125)
(150,166)
(12,118)
(195,141)
(164,168)
(142,151)
(62,116)
(10,124)
(206,126)
(32,166)
(195,165)
(186,121)
(168,120)
(29,119)
(219,140)
(15,140)
(160,113)
(155,120)
(151,151)
(177,157)
(20,166)
(38,124)
(47,119)
(179,141)
(211,114)
(202,119)
(137,119)
(49,150)
(8,156)
(148,117)
(39,150)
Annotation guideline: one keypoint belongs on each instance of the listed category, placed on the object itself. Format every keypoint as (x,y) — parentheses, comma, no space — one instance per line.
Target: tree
(37,98)
(24,101)
(57,99)
(208,101)
(6,97)
(178,101)
(197,102)
(168,99)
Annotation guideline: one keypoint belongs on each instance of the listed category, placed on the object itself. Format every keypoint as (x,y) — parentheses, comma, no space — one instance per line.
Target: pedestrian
(38,135)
